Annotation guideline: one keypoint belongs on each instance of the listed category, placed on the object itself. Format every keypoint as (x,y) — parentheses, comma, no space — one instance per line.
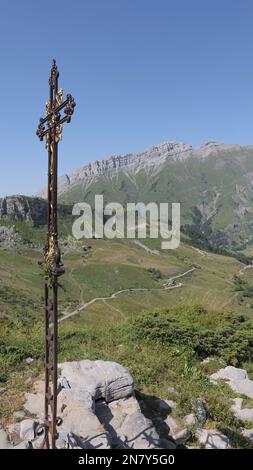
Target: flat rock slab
(230,373)
(4,441)
(245,414)
(248,433)
(237,379)
(245,387)
(128,427)
(27,428)
(212,439)
(190,420)
(139,432)
(35,401)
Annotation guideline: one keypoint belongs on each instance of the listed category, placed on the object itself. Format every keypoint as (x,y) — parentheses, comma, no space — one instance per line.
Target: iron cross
(50,128)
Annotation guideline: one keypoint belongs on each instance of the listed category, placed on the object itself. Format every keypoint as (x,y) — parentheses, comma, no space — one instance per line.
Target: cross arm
(67,105)
(56,110)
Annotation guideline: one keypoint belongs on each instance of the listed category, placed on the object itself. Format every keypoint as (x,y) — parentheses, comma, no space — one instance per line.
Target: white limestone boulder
(212,439)
(102,379)
(237,379)
(245,414)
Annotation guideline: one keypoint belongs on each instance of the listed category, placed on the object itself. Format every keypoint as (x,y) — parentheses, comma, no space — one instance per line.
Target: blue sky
(141,71)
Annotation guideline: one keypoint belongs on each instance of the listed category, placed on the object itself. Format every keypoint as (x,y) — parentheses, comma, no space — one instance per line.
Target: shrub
(227,335)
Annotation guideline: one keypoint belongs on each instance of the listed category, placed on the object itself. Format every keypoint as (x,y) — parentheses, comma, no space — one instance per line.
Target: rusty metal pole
(50,127)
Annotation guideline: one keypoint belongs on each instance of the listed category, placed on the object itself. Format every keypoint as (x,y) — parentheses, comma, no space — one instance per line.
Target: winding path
(113,296)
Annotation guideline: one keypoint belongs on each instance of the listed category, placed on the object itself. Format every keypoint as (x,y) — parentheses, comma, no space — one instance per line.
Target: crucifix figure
(50,127)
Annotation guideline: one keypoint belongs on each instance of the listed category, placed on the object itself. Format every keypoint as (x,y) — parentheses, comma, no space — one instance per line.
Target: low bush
(226,335)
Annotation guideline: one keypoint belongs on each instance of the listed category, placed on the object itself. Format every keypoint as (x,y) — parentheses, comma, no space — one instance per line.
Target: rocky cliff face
(9,238)
(212,182)
(152,157)
(109,166)
(25,209)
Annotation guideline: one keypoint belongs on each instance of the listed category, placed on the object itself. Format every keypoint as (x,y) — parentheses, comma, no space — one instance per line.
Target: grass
(154,362)
(162,347)
(116,264)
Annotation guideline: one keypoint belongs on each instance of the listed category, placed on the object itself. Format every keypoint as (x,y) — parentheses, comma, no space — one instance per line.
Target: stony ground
(98,409)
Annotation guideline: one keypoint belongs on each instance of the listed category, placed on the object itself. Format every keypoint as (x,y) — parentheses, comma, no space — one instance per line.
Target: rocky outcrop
(212,439)
(242,413)
(109,380)
(25,209)
(98,409)
(237,379)
(9,238)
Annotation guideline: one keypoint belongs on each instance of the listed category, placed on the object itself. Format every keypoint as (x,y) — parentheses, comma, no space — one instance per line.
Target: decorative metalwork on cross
(50,128)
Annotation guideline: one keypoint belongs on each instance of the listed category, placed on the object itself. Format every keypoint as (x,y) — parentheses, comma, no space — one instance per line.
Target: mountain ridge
(213,183)
(150,157)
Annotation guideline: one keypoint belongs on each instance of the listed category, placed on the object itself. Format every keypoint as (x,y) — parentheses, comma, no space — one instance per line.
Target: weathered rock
(27,429)
(19,414)
(4,441)
(245,414)
(14,433)
(245,387)
(95,442)
(35,401)
(238,403)
(237,379)
(128,427)
(248,433)
(139,431)
(14,428)
(37,442)
(82,422)
(72,442)
(102,379)
(98,409)
(230,373)
(212,439)
(190,420)
(173,424)
(200,410)
(182,436)
(29,360)
(28,433)
(22,445)
(24,209)
(62,440)
(170,403)
(77,396)
(9,238)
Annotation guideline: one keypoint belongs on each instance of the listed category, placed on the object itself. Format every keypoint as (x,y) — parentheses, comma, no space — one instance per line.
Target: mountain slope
(213,183)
